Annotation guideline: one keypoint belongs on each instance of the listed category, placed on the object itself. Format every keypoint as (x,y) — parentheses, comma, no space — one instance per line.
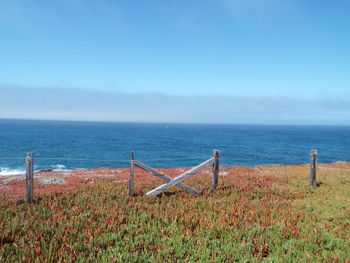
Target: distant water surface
(84,145)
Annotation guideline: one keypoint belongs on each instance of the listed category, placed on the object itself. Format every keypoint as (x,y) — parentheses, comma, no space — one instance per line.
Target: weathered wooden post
(131,180)
(29,178)
(313,167)
(216,165)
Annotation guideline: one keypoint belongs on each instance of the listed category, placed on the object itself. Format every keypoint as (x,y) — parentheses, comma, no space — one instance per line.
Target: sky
(200,61)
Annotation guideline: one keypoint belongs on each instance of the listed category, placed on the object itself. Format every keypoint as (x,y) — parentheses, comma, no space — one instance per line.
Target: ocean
(66,145)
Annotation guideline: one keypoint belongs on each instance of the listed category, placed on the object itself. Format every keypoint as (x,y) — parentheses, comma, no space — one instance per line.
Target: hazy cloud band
(86,105)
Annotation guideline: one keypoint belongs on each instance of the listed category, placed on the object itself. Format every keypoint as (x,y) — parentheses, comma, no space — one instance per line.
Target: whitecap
(5,171)
(58,167)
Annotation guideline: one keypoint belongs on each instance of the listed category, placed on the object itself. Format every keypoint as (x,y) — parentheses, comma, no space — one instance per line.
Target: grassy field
(264,214)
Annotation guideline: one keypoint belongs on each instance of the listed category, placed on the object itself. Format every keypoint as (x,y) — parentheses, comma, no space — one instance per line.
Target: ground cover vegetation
(260,214)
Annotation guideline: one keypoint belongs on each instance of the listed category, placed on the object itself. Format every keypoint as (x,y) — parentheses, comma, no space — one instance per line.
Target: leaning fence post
(29,178)
(313,167)
(216,165)
(131,180)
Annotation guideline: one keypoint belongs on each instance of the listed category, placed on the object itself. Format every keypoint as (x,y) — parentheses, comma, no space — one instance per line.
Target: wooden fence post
(216,165)
(131,180)
(29,178)
(313,167)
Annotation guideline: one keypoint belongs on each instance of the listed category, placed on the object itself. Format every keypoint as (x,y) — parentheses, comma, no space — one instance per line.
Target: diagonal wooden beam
(180,178)
(164,177)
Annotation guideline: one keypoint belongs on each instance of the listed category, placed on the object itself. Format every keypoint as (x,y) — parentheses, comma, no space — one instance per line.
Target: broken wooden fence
(177,181)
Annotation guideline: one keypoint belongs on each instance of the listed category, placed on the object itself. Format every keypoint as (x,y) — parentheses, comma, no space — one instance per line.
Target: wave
(5,171)
(58,167)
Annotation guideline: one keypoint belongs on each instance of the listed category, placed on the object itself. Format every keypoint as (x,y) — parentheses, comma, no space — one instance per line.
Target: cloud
(78,104)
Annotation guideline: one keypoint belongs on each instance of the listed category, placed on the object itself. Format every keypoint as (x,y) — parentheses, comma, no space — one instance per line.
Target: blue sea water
(60,145)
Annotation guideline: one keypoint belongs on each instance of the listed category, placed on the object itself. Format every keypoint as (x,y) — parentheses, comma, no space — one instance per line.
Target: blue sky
(247,50)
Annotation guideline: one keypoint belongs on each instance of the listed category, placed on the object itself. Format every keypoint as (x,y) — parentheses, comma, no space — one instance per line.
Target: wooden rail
(180,178)
(165,178)
(177,181)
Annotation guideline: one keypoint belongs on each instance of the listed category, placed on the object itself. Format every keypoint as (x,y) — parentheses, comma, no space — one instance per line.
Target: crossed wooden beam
(170,182)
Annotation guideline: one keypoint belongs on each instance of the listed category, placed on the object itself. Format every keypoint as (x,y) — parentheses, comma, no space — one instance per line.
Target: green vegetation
(267,215)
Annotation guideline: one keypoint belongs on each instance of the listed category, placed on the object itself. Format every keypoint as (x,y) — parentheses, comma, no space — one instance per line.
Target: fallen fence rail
(177,181)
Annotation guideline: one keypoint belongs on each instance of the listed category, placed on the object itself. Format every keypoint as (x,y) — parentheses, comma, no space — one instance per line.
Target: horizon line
(176,123)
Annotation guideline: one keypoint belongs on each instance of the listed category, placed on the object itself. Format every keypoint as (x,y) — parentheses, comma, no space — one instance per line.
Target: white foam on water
(59,167)
(5,171)
(53,167)
(63,168)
